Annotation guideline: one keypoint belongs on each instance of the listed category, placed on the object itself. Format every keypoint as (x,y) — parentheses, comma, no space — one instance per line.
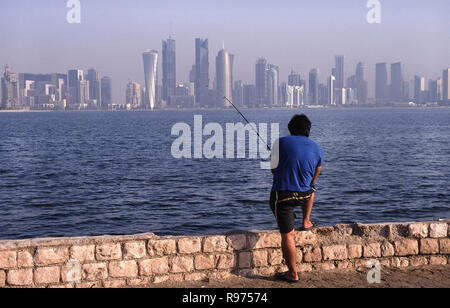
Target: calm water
(75,174)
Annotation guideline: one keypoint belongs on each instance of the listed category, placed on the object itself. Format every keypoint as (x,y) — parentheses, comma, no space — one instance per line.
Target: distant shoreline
(230,109)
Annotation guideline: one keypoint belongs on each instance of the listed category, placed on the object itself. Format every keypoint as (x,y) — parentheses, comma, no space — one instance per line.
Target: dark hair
(300,125)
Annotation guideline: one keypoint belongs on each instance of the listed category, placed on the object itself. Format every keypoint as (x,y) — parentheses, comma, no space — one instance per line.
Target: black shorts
(284,210)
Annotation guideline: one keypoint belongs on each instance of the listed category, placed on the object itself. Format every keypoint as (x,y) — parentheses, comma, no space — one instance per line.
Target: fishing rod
(248,122)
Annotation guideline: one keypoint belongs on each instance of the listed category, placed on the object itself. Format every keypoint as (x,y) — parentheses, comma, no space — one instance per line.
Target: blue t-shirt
(297,157)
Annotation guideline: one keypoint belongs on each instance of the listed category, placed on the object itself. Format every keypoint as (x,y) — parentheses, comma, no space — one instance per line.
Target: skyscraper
(361,84)
(223,78)
(419,88)
(150,58)
(10,90)
(446,85)
(272,85)
(294,79)
(340,72)
(169,71)
(133,95)
(396,82)
(261,82)
(313,87)
(202,97)
(381,83)
(249,95)
(106,92)
(331,90)
(94,85)
(74,78)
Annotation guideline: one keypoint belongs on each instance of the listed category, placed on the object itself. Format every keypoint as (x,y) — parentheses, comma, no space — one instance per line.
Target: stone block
(418,230)
(406,247)
(260,258)
(182,264)
(276,257)
(265,240)
(312,254)
(82,253)
(20,278)
(429,246)
(2,279)
(215,244)
(134,250)
(305,238)
(51,256)
(196,277)
(372,250)
(354,251)
(47,275)
(24,259)
(237,241)
(444,244)
(418,261)
(162,247)
(438,230)
(8,259)
(123,269)
(438,260)
(189,245)
(109,251)
(335,252)
(204,262)
(245,260)
(226,261)
(387,249)
(94,271)
(157,266)
(114,284)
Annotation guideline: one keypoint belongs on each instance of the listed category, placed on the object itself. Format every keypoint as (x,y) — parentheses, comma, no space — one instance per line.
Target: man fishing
(296,163)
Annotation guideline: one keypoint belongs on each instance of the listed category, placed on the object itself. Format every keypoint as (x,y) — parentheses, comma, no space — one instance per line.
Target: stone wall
(116,261)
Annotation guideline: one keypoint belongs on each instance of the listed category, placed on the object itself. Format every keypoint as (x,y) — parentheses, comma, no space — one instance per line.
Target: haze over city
(298,35)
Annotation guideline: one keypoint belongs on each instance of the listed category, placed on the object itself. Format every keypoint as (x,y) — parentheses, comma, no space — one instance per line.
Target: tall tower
(272,85)
(94,85)
(261,82)
(314,87)
(396,82)
(75,77)
(202,72)
(9,90)
(223,78)
(446,85)
(340,72)
(106,89)
(361,83)
(330,90)
(133,95)
(150,58)
(169,79)
(381,83)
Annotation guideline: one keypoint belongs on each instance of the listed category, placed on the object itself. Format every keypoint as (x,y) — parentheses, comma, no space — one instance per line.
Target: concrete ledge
(115,261)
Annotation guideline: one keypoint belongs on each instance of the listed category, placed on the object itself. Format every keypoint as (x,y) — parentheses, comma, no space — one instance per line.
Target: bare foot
(290,276)
(307,225)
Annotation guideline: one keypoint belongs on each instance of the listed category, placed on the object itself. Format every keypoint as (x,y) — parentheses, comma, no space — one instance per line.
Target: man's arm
(316,175)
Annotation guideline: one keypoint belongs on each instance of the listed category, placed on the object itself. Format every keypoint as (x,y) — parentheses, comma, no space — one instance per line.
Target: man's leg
(307,209)
(290,254)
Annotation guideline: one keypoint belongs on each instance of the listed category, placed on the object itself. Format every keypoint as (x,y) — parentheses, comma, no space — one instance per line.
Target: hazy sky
(294,34)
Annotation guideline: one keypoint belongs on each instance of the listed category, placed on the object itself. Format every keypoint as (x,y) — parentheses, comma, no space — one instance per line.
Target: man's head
(300,125)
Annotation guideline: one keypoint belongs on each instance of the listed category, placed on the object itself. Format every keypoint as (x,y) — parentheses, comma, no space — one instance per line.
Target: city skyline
(414,33)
